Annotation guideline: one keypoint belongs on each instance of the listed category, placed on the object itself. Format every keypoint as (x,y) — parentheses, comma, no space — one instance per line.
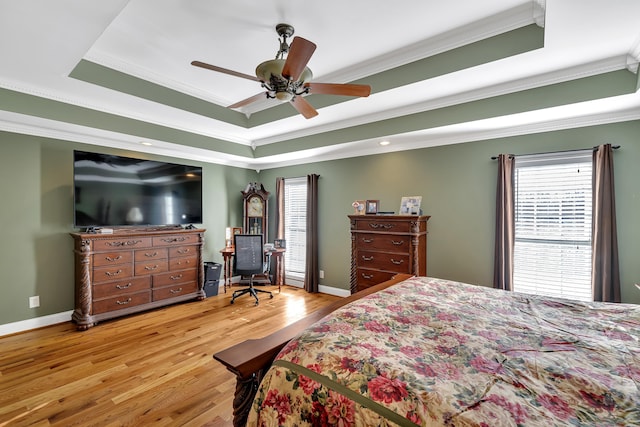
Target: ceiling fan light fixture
(284,96)
(273,67)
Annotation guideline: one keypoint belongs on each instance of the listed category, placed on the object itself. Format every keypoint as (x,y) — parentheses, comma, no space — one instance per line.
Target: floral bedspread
(433,352)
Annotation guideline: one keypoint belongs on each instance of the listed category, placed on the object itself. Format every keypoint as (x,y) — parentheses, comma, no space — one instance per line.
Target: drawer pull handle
(123,302)
(184,262)
(108,258)
(175,291)
(128,285)
(149,267)
(376,225)
(148,255)
(367,276)
(174,239)
(367,240)
(183,251)
(397,243)
(367,258)
(178,277)
(109,273)
(127,243)
(396,261)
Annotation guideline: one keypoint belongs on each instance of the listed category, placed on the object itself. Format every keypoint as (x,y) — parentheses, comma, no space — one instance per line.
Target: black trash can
(212,278)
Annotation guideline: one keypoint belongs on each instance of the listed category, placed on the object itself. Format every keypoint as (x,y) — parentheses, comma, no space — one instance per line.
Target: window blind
(295,226)
(552,254)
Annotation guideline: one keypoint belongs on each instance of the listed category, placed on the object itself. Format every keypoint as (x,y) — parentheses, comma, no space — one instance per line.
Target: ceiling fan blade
(303,107)
(299,54)
(223,70)
(254,98)
(339,89)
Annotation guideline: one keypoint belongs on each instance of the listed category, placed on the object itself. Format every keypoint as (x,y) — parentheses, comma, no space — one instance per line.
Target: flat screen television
(116,191)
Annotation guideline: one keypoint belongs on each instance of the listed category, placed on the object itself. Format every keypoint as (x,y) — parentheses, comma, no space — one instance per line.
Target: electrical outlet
(322,274)
(34,302)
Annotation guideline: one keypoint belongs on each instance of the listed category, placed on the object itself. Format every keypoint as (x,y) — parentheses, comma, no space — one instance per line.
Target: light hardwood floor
(154,368)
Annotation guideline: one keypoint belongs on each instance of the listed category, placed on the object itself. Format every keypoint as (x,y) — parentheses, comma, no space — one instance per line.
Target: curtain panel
(505,224)
(605,273)
(312,270)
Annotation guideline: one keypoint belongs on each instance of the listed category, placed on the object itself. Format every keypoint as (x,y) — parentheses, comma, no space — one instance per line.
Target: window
(552,254)
(295,229)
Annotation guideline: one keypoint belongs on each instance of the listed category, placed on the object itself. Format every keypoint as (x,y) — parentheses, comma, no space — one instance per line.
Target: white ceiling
(42,41)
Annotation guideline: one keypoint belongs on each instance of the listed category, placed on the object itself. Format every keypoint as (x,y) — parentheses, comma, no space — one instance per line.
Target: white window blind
(295,227)
(552,254)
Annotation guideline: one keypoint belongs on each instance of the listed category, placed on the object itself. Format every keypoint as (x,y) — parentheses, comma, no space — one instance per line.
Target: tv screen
(122,191)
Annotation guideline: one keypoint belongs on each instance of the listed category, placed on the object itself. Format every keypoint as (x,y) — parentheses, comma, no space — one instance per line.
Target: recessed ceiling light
(145,143)
(384,142)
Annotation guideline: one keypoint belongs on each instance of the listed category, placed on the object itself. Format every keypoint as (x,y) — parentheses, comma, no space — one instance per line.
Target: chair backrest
(249,254)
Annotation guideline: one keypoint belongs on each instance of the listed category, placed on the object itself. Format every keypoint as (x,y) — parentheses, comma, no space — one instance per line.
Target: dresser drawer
(178,239)
(150,254)
(383,242)
(183,262)
(153,266)
(174,291)
(122,243)
(367,278)
(121,302)
(172,278)
(112,258)
(111,273)
(181,251)
(382,225)
(121,287)
(397,262)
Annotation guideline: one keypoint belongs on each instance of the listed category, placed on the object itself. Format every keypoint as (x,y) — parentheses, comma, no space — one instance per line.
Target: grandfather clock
(256,200)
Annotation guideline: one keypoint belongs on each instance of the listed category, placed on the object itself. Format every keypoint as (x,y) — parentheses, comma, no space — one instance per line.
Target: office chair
(249,260)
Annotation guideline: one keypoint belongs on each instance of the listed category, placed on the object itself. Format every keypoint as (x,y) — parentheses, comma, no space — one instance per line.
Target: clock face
(255,206)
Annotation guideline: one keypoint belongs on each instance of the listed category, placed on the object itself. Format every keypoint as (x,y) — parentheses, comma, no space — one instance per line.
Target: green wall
(457,183)
(36,251)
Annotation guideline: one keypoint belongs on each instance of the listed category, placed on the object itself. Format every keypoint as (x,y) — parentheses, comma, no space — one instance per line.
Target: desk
(278,276)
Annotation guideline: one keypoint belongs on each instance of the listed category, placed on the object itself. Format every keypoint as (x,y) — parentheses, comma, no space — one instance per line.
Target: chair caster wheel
(257,302)
(231,301)
(271,296)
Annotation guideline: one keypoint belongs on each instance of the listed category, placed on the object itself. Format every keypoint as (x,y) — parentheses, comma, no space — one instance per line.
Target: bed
(426,351)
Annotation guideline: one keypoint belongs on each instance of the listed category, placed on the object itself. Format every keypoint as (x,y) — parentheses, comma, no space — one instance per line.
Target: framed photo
(236,230)
(410,205)
(280,243)
(372,206)
(359,207)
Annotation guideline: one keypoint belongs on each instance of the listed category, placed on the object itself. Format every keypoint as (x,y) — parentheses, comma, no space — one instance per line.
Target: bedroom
(456,181)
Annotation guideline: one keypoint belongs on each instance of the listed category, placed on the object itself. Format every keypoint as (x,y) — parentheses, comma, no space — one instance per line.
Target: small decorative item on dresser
(358,207)
(372,206)
(410,205)
(280,243)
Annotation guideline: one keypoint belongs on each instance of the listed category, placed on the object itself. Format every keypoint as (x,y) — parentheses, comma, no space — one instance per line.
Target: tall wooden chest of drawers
(384,245)
(130,271)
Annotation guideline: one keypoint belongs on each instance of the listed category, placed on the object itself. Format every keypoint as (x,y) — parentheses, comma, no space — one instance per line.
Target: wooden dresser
(130,271)
(384,245)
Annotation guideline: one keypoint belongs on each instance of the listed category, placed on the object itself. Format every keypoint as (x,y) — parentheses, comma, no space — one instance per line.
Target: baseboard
(37,322)
(339,292)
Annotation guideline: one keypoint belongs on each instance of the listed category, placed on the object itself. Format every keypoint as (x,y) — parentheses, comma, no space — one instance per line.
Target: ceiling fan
(289,79)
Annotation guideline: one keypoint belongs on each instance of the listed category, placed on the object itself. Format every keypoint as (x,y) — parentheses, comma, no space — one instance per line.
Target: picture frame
(280,243)
(410,205)
(372,207)
(359,207)
(236,230)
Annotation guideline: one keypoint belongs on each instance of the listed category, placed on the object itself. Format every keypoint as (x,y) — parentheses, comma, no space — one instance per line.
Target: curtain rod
(615,147)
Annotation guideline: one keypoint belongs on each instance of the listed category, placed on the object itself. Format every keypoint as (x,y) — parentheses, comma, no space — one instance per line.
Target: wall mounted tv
(114,191)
